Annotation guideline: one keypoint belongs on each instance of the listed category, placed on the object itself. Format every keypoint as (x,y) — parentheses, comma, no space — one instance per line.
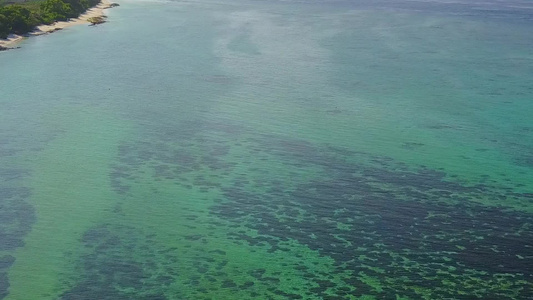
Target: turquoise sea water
(271,150)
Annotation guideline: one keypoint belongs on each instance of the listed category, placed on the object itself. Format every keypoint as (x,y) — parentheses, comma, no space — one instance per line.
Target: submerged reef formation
(385,229)
(16,218)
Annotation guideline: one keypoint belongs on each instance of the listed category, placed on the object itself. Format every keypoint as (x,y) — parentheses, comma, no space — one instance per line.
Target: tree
(78,7)
(4,26)
(55,10)
(20,19)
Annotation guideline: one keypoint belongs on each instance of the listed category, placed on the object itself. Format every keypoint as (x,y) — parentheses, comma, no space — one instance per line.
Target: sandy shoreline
(97,11)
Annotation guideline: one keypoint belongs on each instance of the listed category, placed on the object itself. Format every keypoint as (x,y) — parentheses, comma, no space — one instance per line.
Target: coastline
(96,11)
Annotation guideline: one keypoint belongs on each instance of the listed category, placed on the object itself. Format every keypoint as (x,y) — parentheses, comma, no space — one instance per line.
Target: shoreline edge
(97,11)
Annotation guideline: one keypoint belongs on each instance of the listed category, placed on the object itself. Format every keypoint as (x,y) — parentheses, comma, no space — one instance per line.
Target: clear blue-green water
(271,150)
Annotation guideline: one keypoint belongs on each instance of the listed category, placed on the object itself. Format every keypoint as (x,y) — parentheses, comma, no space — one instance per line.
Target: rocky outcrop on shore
(97,20)
(2,48)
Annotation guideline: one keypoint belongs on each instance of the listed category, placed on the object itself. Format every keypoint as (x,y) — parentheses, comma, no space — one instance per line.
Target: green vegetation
(23,17)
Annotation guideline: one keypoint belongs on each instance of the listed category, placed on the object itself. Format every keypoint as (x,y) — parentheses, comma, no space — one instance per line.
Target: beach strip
(96,11)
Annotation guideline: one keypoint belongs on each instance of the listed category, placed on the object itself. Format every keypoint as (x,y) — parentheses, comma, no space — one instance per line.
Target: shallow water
(271,150)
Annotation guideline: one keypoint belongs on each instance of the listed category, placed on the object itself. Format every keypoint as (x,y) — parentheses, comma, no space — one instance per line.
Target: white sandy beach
(97,11)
